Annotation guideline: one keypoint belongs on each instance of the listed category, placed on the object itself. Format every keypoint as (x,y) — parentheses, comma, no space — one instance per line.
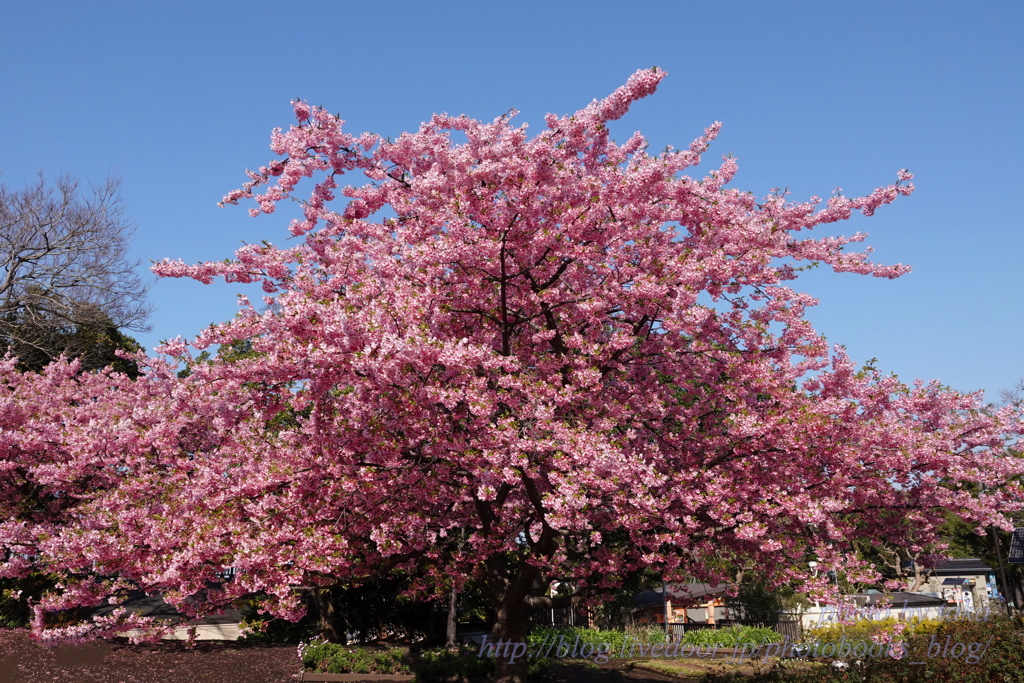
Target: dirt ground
(611,672)
(23,661)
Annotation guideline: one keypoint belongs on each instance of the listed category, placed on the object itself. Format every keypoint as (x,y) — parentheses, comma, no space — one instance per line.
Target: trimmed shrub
(542,638)
(331,658)
(732,636)
(439,663)
(435,664)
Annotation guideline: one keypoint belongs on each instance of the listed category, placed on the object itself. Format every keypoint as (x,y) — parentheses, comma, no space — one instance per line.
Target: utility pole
(665,606)
(1002,572)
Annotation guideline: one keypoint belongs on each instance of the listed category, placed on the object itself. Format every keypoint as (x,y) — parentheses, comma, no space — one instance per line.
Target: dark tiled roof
(694,592)
(680,594)
(1016,547)
(898,601)
(647,599)
(957,566)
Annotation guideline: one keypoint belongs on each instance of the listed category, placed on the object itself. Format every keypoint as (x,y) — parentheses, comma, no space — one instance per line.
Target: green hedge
(732,636)
(438,663)
(332,658)
(443,664)
(541,638)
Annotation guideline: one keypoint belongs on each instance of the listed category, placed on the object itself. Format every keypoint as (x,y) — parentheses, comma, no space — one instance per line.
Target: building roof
(955,566)
(695,592)
(681,594)
(958,566)
(898,601)
(647,599)
(1016,555)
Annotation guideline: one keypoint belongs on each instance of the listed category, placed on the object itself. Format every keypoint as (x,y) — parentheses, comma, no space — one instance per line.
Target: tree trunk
(322,598)
(514,592)
(511,661)
(451,642)
(1015,593)
(920,578)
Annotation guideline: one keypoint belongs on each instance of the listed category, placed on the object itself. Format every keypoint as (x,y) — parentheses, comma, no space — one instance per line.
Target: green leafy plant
(332,658)
(461,665)
(548,639)
(755,602)
(435,664)
(732,636)
(866,630)
(960,651)
(260,629)
(14,594)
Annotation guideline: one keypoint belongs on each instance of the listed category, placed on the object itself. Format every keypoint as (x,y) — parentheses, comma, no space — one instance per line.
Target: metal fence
(561,616)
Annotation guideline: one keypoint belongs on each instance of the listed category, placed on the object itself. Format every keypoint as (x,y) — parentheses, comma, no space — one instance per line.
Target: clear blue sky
(178,99)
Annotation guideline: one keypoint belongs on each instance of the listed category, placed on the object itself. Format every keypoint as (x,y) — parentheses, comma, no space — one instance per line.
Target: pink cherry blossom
(503,347)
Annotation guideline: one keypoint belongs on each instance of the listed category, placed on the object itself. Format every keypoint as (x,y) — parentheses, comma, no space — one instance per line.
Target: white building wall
(826,615)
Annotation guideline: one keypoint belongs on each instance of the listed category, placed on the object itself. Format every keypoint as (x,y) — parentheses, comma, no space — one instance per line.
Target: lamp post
(813,564)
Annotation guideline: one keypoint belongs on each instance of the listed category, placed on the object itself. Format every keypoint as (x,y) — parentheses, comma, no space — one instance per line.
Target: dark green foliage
(279,631)
(67,286)
(428,665)
(732,636)
(995,646)
(94,341)
(14,609)
(15,595)
(441,664)
(375,610)
(755,603)
(262,629)
(333,658)
(541,638)
(237,350)
(474,607)
(360,614)
(617,612)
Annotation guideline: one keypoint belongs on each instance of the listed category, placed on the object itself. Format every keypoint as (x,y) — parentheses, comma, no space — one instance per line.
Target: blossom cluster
(553,347)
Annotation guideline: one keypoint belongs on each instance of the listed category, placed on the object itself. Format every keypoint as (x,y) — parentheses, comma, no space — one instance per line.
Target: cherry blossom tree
(501,358)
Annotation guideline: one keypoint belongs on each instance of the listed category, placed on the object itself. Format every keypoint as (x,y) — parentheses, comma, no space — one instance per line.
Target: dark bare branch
(64,266)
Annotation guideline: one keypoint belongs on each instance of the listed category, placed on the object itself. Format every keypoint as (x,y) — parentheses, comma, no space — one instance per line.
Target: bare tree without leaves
(1014,394)
(66,282)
